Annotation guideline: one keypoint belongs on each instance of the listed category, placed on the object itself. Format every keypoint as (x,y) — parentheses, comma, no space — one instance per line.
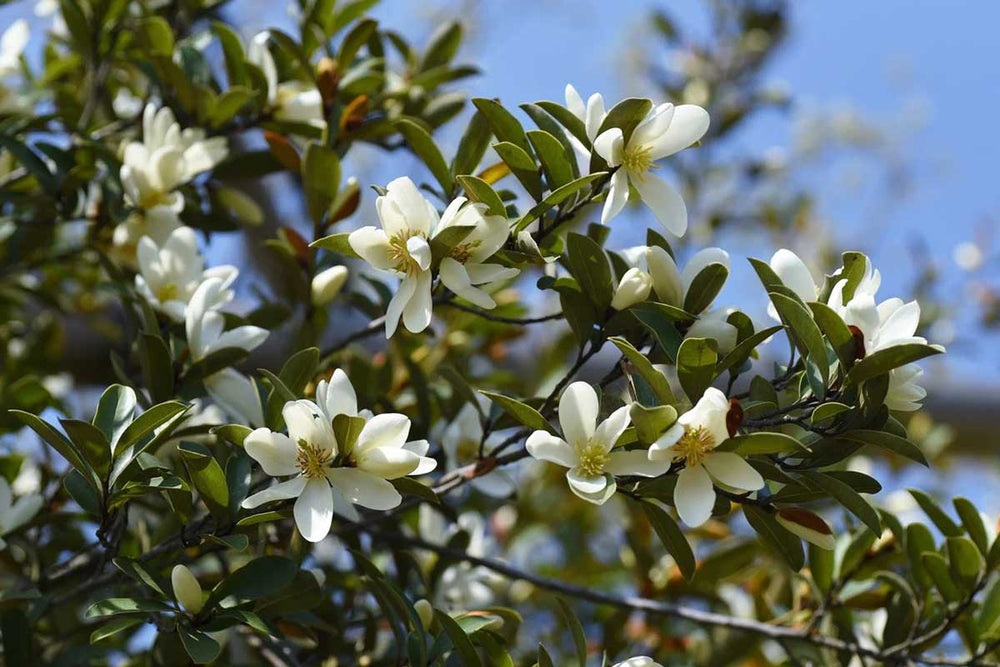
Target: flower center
(637,161)
(694,445)
(400,254)
(467,450)
(313,460)
(593,458)
(463,251)
(168,292)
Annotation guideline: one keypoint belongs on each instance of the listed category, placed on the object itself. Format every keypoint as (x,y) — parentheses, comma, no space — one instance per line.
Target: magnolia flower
(402,247)
(592,114)
(460,440)
(237,395)
(587,447)
(296,101)
(12,44)
(203,324)
(167,158)
(714,324)
(326,285)
(169,274)
(187,590)
(693,439)
(324,471)
(462,585)
(638,661)
(16,513)
(654,266)
(795,275)
(665,130)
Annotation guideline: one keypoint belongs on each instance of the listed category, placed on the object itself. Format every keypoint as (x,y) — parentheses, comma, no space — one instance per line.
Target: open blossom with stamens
(587,448)
(169,273)
(693,440)
(654,266)
(325,474)
(402,247)
(665,130)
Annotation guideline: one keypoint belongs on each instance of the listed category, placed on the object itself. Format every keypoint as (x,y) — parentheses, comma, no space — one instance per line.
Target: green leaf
(918,541)
(888,441)
(846,496)
(114,627)
(57,441)
(883,361)
(661,323)
(471,148)
(777,538)
(566,118)
(555,198)
(256,580)
(232,51)
(522,165)
(443,45)
(505,127)
(118,606)
(201,648)
(459,640)
(522,412)
(589,265)
(657,381)
(930,507)
(625,115)
(480,191)
(423,146)
(357,37)
(671,536)
(705,287)
(139,573)
(650,423)
(157,367)
(696,359)
(147,422)
(294,376)
(805,333)
(575,629)
(18,644)
(965,560)
(114,412)
(972,520)
(92,442)
(937,568)
(742,351)
(761,442)
(840,337)
(320,179)
(32,163)
(206,476)
(337,243)
(556,160)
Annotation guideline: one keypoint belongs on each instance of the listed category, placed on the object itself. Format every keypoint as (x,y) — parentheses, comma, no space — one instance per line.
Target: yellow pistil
(637,161)
(313,460)
(694,445)
(593,458)
(400,254)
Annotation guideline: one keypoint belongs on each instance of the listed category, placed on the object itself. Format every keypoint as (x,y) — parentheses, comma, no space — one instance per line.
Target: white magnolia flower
(166,158)
(204,325)
(12,44)
(655,266)
(693,439)
(296,101)
(460,440)
(187,590)
(592,113)
(237,395)
(795,275)
(462,586)
(327,284)
(665,130)
(324,473)
(587,448)
(402,247)
(170,273)
(16,513)
(638,661)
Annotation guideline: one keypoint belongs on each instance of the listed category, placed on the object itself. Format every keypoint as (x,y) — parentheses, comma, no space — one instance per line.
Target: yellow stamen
(168,292)
(637,161)
(400,254)
(313,460)
(694,445)
(463,251)
(593,458)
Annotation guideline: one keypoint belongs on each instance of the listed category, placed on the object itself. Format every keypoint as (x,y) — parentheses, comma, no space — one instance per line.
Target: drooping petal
(488,273)
(456,278)
(636,462)
(364,489)
(398,302)
(664,201)
(237,395)
(585,483)
(544,446)
(688,125)
(611,146)
(280,491)
(578,408)
(417,313)
(694,496)
(617,196)
(425,464)
(246,337)
(732,470)
(275,452)
(314,510)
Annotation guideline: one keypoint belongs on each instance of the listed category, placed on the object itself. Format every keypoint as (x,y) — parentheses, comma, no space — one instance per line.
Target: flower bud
(240,206)
(634,288)
(326,285)
(425,611)
(187,590)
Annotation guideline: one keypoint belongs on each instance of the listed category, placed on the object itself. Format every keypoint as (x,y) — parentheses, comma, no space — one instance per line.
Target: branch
(486,315)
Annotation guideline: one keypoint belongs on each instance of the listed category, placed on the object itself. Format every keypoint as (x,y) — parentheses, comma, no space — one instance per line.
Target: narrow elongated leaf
(147,422)
(522,412)
(557,197)
(804,332)
(459,640)
(930,507)
(475,140)
(256,580)
(696,360)
(480,191)
(556,161)
(589,265)
(671,536)
(777,538)
(656,380)
(201,648)
(522,165)
(883,361)
(846,496)
(705,287)
(337,243)
(505,127)
(888,441)
(762,442)
(422,144)
(575,630)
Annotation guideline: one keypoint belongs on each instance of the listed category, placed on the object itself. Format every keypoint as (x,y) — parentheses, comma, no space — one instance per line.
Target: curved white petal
(456,278)
(407,286)
(584,483)
(688,125)
(237,395)
(336,396)
(666,276)
(544,446)
(417,312)
(617,196)
(305,425)
(694,496)
(385,430)
(281,491)
(364,489)
(733,471)
(633,288)
(578,408)
(662,449)
(373,245)
(636,462)
(610,145)
(595,115)
(699,262)
(314,510)
(664,201)
(575,103)
(612,428)
(794,274)
(276,453)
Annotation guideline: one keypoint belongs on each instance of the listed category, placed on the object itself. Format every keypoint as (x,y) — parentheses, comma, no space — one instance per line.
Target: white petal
(794,274)
(336,396)
(304,424)
(388,462)
(426,464)
(247,337)
(584,483)
(719,330)
(636,462)
(689,124)
(417,312)
(595,115)
(666,276)
(364,489)
(653,125)
(314,510)
(385,430)
(617,196)
(373,245)
(664,201)
(612,428)
(22,511)
(699,262)
(407,287)
(578,408)
(420,250)
(732,470)
(488,273)
(237,395)
(901,324)
(694,496)
(633,288)
(544,446)
(662,449)
(281,491)
(575,103)
(456,278)
(610,146)
(275,452)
